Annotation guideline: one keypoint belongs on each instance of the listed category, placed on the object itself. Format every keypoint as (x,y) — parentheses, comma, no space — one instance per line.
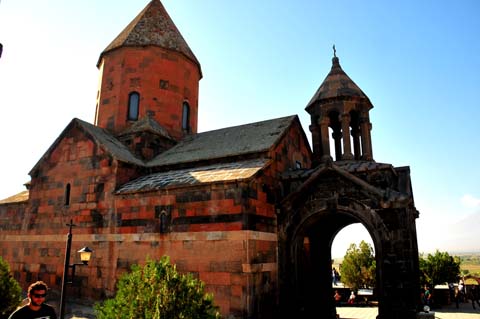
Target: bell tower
(341,108)
(148,72)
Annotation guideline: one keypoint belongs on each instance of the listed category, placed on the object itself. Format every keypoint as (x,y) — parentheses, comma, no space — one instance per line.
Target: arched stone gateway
(324,200)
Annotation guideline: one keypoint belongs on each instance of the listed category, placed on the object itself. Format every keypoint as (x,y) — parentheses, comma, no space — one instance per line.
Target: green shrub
(10,291)
(158,291)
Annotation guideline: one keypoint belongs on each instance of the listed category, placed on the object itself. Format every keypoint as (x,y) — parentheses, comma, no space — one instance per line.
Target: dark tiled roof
(351,166)
(152,26)
(147,124)
(238,140)
(347,169)
(204,174)
(110,143)
(103,138)
(336,84)
(362,166)
(20,197)
(297,174)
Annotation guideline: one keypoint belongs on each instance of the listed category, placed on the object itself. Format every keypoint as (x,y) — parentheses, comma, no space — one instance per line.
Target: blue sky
(418,61)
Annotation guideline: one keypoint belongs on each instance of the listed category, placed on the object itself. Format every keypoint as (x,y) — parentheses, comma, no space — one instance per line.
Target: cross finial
(334,51)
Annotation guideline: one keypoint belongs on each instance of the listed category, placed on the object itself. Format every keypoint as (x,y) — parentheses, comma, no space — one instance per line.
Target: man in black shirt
(36,308)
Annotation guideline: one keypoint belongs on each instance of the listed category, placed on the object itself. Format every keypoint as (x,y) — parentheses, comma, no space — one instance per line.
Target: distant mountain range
(463,236)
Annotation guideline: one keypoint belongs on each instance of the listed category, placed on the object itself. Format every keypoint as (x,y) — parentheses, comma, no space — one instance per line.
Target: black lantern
(85,255)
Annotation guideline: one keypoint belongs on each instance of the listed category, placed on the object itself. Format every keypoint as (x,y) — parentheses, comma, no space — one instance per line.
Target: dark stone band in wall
(249,221)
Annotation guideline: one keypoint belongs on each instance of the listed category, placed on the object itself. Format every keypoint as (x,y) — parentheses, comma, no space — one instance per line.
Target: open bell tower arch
(341,106)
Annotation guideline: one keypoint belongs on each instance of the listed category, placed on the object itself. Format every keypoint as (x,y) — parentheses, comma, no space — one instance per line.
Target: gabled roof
(387,197)
(351,166)
(102,138)
(113,146)
(232,141)
(336,84)
(17,198)
(147,124)
(152,26)
(203,174)
(357,166)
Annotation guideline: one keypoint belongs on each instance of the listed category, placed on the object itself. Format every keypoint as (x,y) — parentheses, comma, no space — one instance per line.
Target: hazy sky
(418,61)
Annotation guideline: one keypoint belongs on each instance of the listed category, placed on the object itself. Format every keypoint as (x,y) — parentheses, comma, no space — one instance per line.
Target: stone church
(250,210)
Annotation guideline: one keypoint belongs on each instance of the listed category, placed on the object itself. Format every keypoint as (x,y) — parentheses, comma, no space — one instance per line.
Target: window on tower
(133,106)
(67,195)
(186,117)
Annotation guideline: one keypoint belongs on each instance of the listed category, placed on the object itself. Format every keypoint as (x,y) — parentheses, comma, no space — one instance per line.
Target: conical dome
(152,26)
(336,84)
(148,70)
(341,106)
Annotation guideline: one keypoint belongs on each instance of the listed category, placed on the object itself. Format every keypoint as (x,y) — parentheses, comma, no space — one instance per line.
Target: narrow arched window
(186,116)
(133,106)
(67,195)
(164,222)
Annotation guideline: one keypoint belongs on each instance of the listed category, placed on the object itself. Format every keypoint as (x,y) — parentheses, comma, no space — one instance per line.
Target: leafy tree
(358,266)
(10,291)
(465,272)
(158,291)
(439,268)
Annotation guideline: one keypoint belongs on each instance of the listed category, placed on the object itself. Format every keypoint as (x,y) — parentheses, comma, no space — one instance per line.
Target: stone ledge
(254,268)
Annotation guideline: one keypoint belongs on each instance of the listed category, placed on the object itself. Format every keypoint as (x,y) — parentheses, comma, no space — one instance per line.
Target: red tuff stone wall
(223,232)
(210,231)
(291,153)
(292,150)
(33,239)
(207,233)
(163,78)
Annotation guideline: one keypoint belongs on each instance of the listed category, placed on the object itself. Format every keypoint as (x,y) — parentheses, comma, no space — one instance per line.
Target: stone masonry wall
(163,78)
(224,232)
(33,239)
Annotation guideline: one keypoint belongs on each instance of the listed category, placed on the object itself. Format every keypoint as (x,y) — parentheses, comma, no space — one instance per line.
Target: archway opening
(312,248)
(350,259)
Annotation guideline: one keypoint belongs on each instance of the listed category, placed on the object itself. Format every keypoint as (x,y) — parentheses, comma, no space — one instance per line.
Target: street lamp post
(85,254)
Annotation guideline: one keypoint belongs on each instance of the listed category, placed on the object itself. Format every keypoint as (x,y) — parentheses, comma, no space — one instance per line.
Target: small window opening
(186,117)
(164,222)
(133,106)
(67,195)
(298,165)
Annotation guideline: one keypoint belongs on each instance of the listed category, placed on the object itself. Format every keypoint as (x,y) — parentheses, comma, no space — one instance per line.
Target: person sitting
(351,299)
(337,297)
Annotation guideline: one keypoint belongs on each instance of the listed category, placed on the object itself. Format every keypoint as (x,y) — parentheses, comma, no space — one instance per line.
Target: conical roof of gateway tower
(152,26)
(336,84)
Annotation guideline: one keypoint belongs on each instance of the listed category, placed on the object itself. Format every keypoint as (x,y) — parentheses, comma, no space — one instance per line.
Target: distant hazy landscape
(460,237)
(470,262)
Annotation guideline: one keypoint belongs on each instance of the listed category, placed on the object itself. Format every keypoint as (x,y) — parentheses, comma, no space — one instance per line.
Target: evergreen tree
(358,266)
(10,291)
(158,291)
